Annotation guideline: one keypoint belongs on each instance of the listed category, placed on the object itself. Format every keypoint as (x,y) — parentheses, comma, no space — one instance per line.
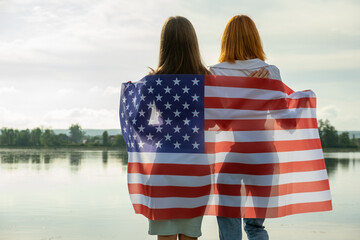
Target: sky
(63,62)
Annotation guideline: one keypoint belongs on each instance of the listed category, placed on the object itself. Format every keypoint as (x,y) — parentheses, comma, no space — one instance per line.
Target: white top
(243,68)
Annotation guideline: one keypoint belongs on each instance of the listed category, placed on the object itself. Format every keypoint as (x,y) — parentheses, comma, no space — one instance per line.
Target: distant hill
(91,132)
(351,133)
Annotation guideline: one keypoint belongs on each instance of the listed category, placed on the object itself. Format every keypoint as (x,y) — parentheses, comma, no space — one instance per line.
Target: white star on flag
(176,98)
(186,105)
(177,113)
(158,129)
(168,137)
(195,81)
(186,121)
(186,137)
(158,144)
(168,121)
(158,97)
(167,89)
(177,129)
(149,136)
(142,113)
(158,81)
(151,90)
(195,129)
(195,97)
(167,105)
(195,145)
(177,145)
(195,113)
(186,89)
(176,81)
(141,144)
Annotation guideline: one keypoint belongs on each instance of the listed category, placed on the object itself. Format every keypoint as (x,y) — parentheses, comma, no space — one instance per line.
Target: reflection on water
(76,194)
(342,160)
(75,157)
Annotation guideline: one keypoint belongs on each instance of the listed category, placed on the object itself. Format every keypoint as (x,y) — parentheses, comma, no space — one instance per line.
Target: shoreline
(340,149)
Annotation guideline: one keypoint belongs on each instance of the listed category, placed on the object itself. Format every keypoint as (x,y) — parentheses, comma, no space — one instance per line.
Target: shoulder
(274,72)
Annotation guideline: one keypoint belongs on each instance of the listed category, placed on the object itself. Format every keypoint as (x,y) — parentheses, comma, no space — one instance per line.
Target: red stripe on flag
(269,169)
(262,147)
(234,212)
(169,191)
(271,191)
(247,82)
(257,104)
(226,189)
(169,169)
(225,167)
(257,212)
(260,124)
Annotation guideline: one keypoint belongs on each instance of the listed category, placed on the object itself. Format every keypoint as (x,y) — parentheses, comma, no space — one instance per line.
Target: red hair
(241,40)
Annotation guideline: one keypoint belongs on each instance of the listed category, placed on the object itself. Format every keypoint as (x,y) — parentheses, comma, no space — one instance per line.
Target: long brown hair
(179,49)
(241,40)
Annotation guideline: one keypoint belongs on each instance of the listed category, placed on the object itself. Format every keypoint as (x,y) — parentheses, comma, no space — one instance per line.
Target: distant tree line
(330,138)
(47,138)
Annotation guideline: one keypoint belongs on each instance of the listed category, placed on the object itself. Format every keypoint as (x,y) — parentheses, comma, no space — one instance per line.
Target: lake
(77,195)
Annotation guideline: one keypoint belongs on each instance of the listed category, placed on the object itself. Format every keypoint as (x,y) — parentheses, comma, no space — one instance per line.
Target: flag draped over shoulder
(226,146)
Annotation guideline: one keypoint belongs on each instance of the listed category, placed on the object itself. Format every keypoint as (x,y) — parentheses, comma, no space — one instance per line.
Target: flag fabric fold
(225,146)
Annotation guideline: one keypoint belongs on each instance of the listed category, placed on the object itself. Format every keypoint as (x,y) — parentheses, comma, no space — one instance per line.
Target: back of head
(241,40)
(179,49)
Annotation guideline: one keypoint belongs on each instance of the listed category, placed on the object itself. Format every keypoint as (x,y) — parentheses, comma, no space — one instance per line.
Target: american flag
(226,146)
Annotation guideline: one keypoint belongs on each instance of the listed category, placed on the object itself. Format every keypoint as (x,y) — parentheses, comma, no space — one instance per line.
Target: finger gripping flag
(225,146)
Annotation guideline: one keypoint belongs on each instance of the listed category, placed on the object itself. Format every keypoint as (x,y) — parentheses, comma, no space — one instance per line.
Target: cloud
(86,117)
(61,118)
(72,55)
(4,90)
(343,118)
(12,119)
(328,112)
(336,60)
(105,90)
(64,91)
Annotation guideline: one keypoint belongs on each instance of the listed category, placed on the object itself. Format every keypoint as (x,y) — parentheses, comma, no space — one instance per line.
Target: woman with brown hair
(241,54)
(179,54)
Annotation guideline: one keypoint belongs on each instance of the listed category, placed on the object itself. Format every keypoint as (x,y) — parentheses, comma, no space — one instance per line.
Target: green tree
(105,138)
(354,141)
(7,137)
(344,139)
(49,139)
(22,138)
(35,136)
(328,134)
(76,133)
(119,141)
(63,139)
(95,141)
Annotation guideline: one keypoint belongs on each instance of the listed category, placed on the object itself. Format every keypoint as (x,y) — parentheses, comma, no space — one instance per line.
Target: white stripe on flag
(261,136)
(205,159)
(224,114)
(230,201)
(227,178)
(253,93)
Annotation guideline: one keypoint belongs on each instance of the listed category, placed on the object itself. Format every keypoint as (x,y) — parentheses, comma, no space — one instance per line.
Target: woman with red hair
(242,54)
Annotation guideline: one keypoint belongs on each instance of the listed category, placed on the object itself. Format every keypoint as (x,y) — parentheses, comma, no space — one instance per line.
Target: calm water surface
(73,195)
